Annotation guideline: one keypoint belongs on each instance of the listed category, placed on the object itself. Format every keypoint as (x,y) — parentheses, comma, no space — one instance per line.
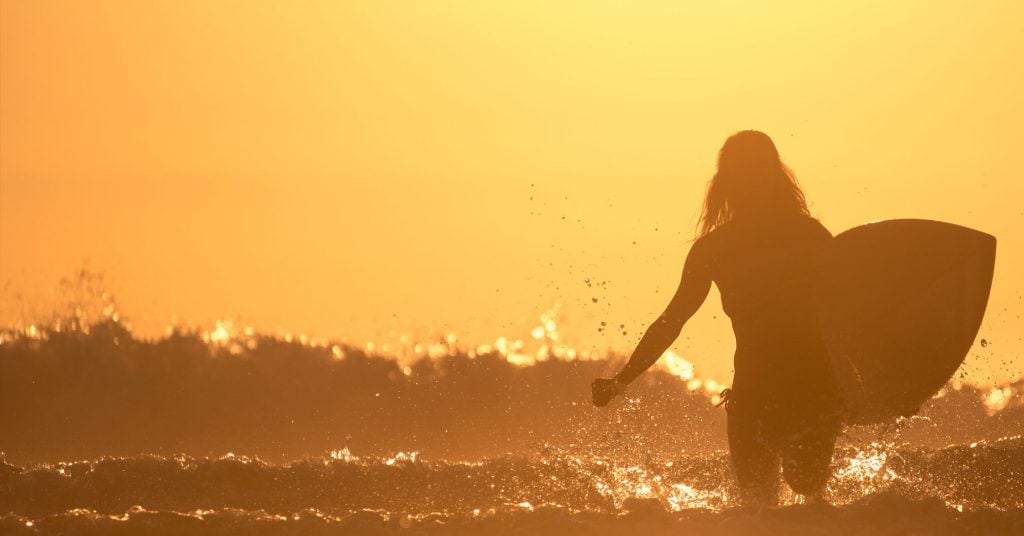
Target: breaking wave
(333,439)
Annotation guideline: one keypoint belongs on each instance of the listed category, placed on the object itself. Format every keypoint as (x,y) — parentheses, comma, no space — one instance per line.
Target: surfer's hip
(783,409)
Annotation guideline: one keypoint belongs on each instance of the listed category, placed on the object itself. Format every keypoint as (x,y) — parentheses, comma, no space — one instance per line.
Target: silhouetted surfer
(759,245)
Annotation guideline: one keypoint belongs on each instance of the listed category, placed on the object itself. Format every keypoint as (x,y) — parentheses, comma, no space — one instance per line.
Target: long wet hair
(751,183)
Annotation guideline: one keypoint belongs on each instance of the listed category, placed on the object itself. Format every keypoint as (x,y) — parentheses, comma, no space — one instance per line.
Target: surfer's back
(762,266)
(765,272)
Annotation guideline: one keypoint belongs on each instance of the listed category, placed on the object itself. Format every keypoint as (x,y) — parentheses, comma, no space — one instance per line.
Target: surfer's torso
(765,272)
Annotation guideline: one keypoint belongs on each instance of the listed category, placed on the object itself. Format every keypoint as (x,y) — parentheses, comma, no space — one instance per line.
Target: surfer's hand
(604,390)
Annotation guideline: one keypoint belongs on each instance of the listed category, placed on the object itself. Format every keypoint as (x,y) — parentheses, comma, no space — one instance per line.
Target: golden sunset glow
(364,171)
(417,267)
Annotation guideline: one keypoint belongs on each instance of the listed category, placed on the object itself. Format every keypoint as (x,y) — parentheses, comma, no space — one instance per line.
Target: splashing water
(405,486)
(430,434)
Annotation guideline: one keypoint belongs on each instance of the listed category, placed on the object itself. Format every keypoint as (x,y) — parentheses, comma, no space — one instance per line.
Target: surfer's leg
(754,460)
(807,460)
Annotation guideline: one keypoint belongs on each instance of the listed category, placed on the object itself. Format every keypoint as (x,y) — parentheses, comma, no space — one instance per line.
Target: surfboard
(900,303)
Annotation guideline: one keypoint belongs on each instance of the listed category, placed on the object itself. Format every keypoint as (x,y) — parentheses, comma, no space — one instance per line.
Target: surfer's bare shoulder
(713,240)
(703,250)
(819,228)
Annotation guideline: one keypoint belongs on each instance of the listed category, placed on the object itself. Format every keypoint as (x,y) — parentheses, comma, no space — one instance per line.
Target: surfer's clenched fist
(604,390)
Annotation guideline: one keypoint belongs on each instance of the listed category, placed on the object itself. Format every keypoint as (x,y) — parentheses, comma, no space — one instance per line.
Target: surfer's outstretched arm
(693,289)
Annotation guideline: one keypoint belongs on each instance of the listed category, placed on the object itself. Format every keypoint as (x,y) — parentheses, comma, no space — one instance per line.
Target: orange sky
(363,170)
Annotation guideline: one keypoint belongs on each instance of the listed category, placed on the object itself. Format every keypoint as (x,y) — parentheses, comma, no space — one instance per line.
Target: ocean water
(888,489)
(232,432)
